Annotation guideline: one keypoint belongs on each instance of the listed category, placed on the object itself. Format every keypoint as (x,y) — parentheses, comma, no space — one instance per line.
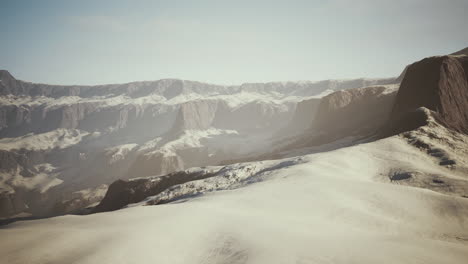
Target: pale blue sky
(225,42)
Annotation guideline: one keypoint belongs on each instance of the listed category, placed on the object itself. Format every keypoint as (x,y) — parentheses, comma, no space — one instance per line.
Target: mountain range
(251,173)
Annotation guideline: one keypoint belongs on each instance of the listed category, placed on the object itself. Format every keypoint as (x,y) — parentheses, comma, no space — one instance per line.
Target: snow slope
(331,207)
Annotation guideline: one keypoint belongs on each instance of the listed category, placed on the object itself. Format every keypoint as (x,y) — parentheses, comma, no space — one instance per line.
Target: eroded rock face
(11,204)
(122,193)
(305,112)
(438,84)
(349,115)
(198,115)
(355,111)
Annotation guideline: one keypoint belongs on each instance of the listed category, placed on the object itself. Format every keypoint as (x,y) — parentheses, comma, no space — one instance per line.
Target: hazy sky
(225,42)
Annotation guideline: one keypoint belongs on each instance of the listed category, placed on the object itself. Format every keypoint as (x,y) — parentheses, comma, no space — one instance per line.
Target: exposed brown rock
(438,84)
(122,193)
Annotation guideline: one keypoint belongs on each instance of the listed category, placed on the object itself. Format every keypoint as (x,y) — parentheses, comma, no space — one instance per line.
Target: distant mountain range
(173,171)
(62,146)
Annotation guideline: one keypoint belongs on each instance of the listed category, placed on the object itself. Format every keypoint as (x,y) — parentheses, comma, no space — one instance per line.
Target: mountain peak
(6,75)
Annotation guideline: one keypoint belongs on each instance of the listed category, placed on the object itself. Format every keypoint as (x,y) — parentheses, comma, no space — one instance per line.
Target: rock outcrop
(122,193)
(438,84)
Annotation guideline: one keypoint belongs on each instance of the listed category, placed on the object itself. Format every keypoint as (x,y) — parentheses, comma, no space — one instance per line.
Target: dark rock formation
(122,193)
(438,84)
(11,204)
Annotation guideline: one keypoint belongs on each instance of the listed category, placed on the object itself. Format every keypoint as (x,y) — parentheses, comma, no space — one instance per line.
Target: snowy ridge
(313,201)
(43,180)
(59,138)
(410,158)
(235,95)
(364,175)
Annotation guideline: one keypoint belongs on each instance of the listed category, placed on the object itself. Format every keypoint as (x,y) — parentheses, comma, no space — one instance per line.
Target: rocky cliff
(438,84)
(355,111)
(122,193)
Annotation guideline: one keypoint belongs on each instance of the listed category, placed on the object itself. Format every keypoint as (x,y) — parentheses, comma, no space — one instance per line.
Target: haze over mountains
(60,141)
(255,173)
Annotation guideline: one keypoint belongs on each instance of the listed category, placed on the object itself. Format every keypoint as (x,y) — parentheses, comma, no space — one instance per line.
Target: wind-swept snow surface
(331,207)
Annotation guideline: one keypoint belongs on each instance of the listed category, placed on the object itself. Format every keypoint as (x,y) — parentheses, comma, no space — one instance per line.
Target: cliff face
(341,117)
(196,115)
(438,84)
(354,111)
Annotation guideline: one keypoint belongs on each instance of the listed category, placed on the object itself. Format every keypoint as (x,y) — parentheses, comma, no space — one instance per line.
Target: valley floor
(331,207)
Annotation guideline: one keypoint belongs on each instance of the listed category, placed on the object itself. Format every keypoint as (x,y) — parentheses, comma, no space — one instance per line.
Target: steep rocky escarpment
(122,193)
(306,111)
(197,115)
(438,84)
(354,111)
(346,115)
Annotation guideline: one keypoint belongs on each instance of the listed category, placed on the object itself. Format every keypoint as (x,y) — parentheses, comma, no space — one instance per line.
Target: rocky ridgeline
(436,83)
(129,138)
(88,136)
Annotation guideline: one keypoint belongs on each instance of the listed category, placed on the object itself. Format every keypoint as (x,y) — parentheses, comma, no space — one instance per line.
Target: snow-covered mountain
(383,201)
(60,140)
(310,172)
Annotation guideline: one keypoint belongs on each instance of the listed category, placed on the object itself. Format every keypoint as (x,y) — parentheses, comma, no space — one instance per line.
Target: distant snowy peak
(170,88)
(59,139)
(37,108)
